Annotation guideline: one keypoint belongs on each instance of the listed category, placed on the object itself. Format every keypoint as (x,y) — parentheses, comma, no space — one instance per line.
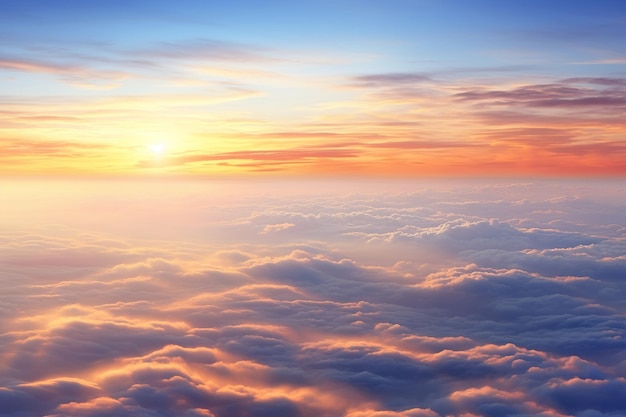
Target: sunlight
(157,148)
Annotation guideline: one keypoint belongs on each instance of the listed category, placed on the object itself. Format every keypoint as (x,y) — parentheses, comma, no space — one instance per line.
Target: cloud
(18,151)
(205,49)
(276,227)
(420,144)
(565,94)
(107,66)
(76,74)
(43,396)
(438,299)
(524,126)
(389,80)
(608,82)
(262,159)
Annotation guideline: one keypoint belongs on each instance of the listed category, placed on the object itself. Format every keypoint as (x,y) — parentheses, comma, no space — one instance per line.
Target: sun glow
(157,148)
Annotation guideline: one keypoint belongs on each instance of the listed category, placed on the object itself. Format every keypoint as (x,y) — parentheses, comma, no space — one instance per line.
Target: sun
(157,148)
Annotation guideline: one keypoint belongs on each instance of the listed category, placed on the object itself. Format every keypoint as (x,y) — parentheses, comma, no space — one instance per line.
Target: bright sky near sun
(355,88)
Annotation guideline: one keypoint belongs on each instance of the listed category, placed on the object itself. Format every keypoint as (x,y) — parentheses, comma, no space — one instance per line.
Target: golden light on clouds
(360,298)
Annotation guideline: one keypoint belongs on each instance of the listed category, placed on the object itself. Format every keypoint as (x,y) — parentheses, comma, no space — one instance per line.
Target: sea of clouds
(449,298)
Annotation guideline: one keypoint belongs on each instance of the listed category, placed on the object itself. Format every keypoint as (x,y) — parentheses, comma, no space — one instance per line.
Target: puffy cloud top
(380,304)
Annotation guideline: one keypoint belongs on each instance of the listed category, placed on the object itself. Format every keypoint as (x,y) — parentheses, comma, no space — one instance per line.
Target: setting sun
(157,148)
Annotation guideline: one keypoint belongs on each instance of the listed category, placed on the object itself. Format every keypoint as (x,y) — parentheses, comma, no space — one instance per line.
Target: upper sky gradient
(357,88)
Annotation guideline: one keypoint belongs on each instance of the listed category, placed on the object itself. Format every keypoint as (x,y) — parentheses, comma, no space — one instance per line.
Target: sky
(408,208)
(401,88)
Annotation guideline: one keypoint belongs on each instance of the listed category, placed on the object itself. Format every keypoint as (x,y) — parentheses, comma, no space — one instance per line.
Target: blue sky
(307,68)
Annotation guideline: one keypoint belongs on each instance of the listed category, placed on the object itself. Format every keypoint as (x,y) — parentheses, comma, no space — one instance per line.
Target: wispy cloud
(24,149)
(389,80)
(262,157)
(569,93)
(73,73)
(206,50)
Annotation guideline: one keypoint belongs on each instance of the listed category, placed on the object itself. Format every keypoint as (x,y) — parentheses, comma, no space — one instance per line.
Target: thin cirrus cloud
(20,152)
(206,50)
(80,77)
(106,66)
(514,119)
(564,94)
(423,300)
(260,159)
(386,80)
(306,155)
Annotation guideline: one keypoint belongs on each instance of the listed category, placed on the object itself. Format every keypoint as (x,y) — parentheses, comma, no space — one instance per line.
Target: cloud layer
(425,300)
